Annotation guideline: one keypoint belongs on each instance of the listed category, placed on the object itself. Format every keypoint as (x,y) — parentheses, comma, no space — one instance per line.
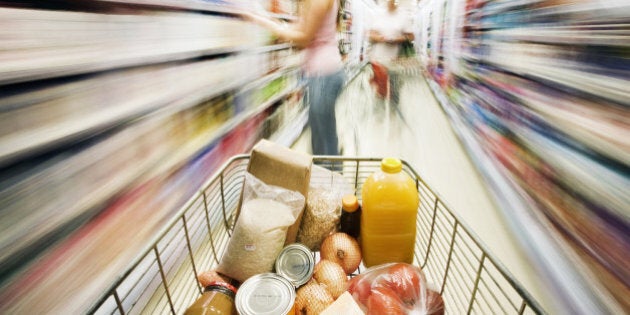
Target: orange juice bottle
(388,221)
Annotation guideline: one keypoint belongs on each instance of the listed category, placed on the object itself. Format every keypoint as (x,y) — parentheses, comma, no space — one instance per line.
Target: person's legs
(323,92)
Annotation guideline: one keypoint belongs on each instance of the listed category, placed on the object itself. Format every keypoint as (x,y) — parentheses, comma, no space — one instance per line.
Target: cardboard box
(280,166)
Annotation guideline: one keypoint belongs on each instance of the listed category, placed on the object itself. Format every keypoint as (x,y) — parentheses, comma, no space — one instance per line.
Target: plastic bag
(260,231)
(323,207)
(395,288)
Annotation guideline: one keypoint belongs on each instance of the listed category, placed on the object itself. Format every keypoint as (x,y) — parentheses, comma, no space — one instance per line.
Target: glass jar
(217,299)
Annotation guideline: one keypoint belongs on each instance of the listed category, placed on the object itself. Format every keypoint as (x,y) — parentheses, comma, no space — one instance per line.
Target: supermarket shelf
(289,134)
(603,35)
(268,78)
(194,5)
(596,85)
(591,11)
(500,6)
(180,87)
(50,44)
(597,133)
(520,217)
(197,145)
(126,171)
(265,49)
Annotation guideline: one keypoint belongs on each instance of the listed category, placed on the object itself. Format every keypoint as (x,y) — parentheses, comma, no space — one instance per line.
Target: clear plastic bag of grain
(323,206)
(266,214)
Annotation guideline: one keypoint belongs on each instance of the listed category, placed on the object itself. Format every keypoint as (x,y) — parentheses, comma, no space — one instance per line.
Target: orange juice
(388,221)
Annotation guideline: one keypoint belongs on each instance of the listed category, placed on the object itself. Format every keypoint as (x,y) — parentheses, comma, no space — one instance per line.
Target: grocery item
(266,294)
(260,231)
(321,217)
(211,276)
(312,299)
(395,288)
(342,249)
(296,264)
(350,221)
(217,299)
(434,303)
(388,219)
(323,206)
(279,166)
(331,276)
(344,305)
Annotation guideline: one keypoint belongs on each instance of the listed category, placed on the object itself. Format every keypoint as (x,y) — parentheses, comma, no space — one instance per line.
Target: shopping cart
(163,279)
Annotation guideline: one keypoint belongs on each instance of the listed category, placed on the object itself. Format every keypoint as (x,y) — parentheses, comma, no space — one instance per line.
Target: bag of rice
(323,206)
(260,231)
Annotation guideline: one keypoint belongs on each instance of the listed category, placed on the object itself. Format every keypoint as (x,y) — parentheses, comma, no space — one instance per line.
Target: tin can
(265,294)
(295,263)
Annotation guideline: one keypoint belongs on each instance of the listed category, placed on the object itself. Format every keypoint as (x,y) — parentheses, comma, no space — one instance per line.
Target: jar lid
(295,263)
(350,203)
(391,165)
(265,294)
(221,286)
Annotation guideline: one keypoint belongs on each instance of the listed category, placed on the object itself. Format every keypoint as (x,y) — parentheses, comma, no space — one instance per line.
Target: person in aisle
(315,31)
(390,28)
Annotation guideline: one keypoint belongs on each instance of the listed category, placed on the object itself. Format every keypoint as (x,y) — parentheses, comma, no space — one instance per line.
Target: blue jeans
(322,93)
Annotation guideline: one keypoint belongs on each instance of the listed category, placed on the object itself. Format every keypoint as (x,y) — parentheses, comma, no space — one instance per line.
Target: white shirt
(390,24)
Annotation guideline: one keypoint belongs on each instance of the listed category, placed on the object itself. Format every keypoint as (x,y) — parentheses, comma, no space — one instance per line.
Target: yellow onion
(312,299)
(331,276)
(342,249)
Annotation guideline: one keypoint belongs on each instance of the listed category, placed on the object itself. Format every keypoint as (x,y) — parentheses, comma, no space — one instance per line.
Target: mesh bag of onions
(266,214)
(323,207)
(395,288)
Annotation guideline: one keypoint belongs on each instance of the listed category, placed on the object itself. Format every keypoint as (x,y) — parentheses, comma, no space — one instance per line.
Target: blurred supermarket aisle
(420,133)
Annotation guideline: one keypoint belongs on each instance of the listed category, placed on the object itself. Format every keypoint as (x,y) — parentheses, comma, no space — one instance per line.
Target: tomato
(406,280)
(435,303)
(384,301)
(360,288)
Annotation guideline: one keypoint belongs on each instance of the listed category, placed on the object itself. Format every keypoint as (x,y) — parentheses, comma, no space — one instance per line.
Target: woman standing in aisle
(316,32)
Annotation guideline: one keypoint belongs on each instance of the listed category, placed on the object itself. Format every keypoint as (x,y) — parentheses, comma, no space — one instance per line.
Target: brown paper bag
(276,165)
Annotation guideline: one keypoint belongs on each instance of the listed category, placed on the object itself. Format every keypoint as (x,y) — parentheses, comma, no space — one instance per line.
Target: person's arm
(301,33)
(376,37)
(397,40)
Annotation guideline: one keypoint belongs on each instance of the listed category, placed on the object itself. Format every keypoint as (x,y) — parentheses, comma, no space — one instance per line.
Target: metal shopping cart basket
(163,279)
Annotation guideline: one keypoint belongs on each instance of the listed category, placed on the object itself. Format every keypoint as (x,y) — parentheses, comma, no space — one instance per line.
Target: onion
(331,276)
(343,249)
(312,299)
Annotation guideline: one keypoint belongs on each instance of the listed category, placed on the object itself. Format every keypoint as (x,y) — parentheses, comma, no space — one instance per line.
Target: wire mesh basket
(163,280)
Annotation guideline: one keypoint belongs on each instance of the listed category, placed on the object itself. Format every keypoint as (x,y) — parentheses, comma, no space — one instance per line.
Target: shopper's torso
(390,24)
(322,54)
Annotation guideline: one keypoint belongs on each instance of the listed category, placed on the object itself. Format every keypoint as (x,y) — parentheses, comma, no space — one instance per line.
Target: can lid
(350,203)
(265,294)
(391,165)
(295,263)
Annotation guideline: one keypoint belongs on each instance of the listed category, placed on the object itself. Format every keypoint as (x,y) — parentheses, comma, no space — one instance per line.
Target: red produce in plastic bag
(396,288)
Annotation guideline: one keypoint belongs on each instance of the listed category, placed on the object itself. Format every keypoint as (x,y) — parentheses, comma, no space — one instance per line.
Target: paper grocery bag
(277,165)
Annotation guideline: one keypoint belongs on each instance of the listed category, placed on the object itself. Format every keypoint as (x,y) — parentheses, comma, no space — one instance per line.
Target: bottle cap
(391,165)
(350,203)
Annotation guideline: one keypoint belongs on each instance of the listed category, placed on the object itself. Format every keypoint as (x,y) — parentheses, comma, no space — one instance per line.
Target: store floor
(420,134)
